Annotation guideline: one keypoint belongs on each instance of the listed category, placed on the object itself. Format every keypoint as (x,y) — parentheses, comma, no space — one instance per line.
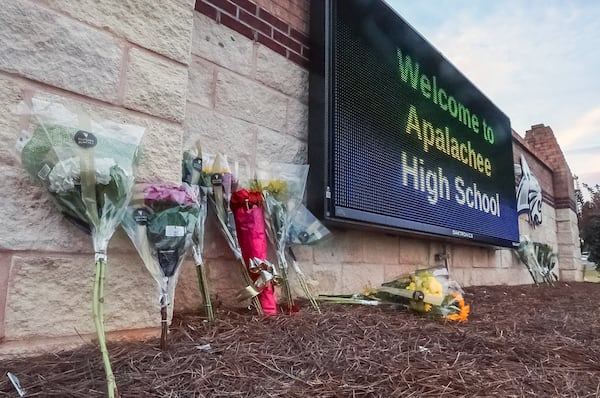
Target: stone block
(414,251)
(278,147)
(278,72)
(395,271)
(481,257)
(221,45)
(155,86)
(249,100)
(506,258)
(494,276)
(10,95)
(328,278)
(160,152)
(219,133)
(51,296)
(568,263)
(356,278)
(571,275)
(201,77)
(187,293)
(163,26)
(297,119)
(45,46)
(31,221)
(380,248)
(342,248)
(462,257)
(304,254)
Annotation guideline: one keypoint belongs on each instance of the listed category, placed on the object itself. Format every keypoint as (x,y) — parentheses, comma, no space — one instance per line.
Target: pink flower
(170,193)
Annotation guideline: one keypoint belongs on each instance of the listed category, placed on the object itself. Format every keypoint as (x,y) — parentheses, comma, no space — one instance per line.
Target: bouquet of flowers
(540,260)
(429,291)
(160,222)
(191,173)
(282,185)
(219,182)
(87,166)
(247,207)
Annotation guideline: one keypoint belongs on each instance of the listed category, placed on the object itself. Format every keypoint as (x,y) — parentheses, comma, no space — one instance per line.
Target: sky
(537,60)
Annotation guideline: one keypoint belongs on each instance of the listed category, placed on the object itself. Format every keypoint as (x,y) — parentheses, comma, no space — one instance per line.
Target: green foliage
(540,260)
(589,223)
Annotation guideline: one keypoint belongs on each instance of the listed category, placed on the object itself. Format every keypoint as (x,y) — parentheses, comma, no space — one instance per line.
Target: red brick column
(542,141)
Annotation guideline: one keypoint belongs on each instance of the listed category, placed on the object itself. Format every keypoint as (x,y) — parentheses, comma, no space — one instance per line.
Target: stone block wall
(126,61)
(230,73)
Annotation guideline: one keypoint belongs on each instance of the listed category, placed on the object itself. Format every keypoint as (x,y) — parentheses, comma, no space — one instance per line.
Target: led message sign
(399,138)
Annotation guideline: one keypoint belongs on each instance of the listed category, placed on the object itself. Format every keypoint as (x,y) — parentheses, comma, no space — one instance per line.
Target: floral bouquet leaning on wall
(219,181)
(282,186)
(191,173)
(87,166)
(160,222)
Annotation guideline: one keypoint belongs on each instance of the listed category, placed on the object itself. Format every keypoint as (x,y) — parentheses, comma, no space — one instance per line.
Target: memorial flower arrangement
(160,222)
(191,175)
(220,182)
(540,260)
(87,167)
(247,207)
(428,291)
(282,186)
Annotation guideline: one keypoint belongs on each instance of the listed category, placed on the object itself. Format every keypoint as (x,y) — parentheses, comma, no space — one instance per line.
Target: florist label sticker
(140,216)
(85,139)
(174,230)
(44,171)
(217,179)
(197,164)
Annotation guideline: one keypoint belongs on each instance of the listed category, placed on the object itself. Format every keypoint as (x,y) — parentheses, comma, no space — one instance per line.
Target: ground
(520,341)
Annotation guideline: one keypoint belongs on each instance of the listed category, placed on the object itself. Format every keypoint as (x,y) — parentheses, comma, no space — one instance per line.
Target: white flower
(65,174)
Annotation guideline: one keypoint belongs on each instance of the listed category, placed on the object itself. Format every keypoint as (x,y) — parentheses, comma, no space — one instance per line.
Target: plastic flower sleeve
(87,166)
(305,228)
(211,179)
(160,222)
(192,166)
(283,186)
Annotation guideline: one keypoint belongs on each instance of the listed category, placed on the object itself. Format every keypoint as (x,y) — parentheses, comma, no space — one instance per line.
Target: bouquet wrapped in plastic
(160,222)
(429,291)
(220,182)
(540,260)
(87,166)
(288,221)
(191,168)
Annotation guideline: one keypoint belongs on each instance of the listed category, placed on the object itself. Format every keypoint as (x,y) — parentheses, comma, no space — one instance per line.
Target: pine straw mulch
(522,341)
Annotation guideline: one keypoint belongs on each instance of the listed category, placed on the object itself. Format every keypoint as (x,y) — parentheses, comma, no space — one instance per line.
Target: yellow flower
(434,286)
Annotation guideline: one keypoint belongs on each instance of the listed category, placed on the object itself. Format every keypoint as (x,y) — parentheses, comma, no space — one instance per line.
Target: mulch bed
(520,341)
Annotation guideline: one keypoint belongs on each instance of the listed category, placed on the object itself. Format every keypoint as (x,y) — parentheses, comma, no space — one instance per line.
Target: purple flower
(170,193)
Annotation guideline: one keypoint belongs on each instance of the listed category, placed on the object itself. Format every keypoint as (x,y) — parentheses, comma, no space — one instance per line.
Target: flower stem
(98,312)
(164,330)
(203,285)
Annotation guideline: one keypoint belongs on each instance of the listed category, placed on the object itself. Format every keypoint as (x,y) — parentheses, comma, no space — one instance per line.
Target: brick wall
(542,141)
(281,25)
(539,168)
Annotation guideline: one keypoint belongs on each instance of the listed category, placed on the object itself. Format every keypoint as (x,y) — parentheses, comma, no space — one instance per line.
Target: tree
(589,221)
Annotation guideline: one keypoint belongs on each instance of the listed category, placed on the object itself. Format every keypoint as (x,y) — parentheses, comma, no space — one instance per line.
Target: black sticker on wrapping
(85,139)
(217,179)
(197,164)
(140,216)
